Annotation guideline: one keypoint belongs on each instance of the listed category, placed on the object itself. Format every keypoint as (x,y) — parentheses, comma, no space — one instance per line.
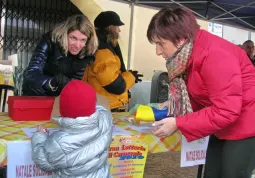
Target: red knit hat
(77,99)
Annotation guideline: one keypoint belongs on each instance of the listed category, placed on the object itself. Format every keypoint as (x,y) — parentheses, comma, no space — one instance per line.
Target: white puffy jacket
(79,149)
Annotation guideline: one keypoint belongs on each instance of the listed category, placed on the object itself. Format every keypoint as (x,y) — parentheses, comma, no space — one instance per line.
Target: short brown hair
(247,41)
(173,25)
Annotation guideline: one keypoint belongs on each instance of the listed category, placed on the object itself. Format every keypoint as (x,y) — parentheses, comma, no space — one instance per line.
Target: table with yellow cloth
(12,131)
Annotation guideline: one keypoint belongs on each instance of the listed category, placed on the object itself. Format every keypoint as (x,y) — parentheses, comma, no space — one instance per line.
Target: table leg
(3,172)
(199,171)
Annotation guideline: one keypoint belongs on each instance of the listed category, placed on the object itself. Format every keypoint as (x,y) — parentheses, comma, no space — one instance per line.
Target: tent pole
(130,35)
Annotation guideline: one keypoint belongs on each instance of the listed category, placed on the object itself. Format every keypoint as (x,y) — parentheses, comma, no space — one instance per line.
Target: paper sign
(193,153)
(142,129)
(20,163)
(127,157)
(215,29)
(116,131)
(30,131)
(6,74)
(119,131)
(14,59)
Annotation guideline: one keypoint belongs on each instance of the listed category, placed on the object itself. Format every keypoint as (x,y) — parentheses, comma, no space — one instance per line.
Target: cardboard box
(103,101)
(30,108)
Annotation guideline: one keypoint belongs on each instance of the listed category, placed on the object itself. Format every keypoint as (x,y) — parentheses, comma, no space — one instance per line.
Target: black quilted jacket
(47,61)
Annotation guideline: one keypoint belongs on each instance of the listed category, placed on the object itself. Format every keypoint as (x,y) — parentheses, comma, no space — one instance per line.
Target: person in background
(212,86)
(248,46)
(239,45)
(80,148)
(60,56)
(108,74)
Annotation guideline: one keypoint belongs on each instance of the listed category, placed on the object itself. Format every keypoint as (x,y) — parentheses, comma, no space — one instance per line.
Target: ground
(167,165)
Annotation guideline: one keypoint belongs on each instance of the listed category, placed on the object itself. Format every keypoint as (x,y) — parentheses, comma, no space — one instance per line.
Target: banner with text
(20,163)
(127,157)
(193,153)
(216,29)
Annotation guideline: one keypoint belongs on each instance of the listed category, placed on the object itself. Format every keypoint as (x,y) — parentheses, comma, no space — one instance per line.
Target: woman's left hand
(165,127)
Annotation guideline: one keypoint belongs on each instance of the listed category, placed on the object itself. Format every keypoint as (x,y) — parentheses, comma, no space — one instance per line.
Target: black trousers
(3,172)
(230,159)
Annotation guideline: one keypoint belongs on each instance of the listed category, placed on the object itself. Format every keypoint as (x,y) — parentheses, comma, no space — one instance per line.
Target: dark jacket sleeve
(34,77)
(79,66)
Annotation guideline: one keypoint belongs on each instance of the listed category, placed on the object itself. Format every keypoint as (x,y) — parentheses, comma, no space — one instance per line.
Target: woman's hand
(58,82)
(170,105)
(163,105)
(61,80)
(42,129)
(165,127)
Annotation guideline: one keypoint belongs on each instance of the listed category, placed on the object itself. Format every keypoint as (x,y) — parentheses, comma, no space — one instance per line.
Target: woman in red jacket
(212,82)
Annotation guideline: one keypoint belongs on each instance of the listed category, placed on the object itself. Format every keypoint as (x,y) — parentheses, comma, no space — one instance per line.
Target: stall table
(12,131)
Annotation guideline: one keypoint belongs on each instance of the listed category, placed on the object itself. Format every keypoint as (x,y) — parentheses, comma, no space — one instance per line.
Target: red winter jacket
(221,84)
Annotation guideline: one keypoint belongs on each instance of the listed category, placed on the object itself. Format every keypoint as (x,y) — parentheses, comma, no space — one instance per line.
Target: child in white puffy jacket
(80,148)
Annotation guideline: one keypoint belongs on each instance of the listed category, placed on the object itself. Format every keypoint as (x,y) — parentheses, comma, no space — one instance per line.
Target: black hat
(107,18)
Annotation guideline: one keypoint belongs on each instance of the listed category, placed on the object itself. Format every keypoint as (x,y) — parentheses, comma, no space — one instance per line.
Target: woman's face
(166,48)
(76,42)
(116,29)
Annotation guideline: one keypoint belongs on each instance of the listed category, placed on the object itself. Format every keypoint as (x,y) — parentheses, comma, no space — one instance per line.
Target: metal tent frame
(233,12)
(237,13)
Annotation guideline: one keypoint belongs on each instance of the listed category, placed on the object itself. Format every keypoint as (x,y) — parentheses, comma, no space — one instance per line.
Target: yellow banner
(127,157)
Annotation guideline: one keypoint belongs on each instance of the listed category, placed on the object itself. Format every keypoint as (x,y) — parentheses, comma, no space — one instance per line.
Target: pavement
(167,165)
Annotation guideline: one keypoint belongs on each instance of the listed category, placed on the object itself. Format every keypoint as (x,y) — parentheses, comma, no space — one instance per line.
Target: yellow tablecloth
(12,131)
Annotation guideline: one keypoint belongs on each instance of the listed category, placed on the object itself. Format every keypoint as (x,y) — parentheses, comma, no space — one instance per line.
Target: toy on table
(149,114)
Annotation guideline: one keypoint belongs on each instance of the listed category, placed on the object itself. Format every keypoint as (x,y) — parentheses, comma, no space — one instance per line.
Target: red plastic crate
(30,108)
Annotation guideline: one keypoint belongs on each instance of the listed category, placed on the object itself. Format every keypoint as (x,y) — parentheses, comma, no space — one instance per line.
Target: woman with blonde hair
(60,56)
